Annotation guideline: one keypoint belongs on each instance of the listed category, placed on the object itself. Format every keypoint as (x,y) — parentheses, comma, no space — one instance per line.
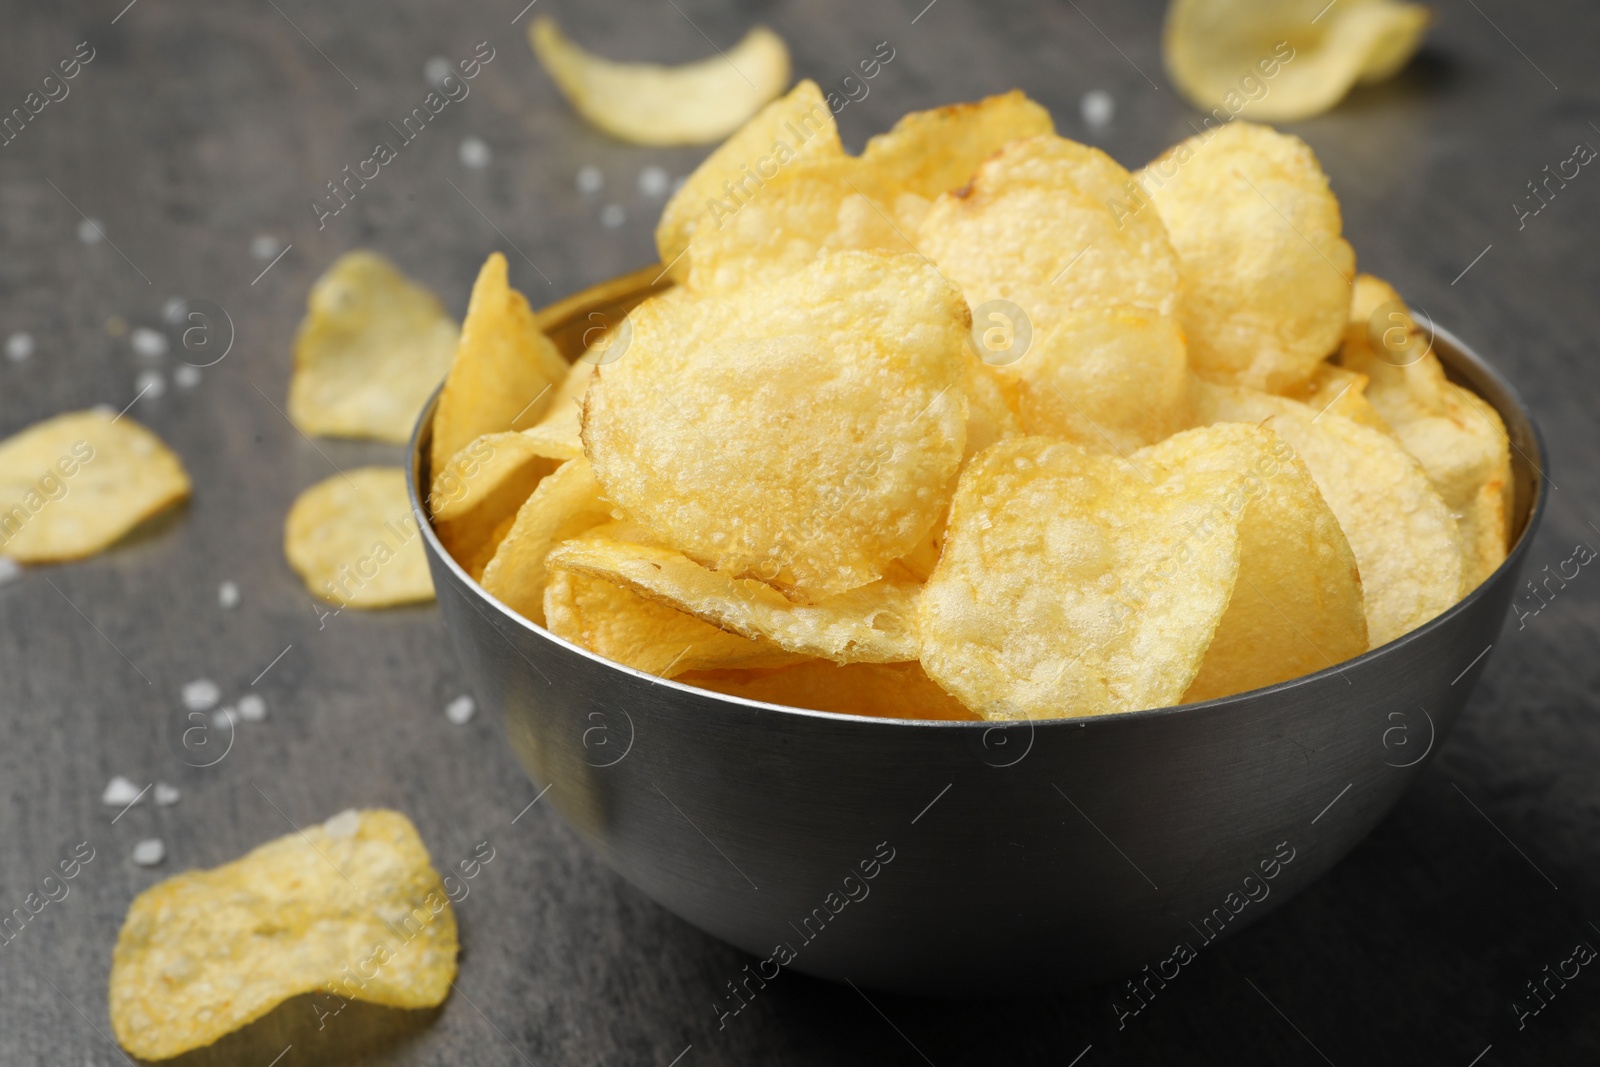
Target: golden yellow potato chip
(799,125)
(354,541)
(1340,390)
(1076,584)
(352,909)
(474,500)
(880,690)
(1403,536)
(647,103)
(1457,436)
(805,433)
(565,504)
(505,371)
(1267,275)
(1282,60)
(371,349)
(989,414)
(76,483)
(558,435)
(933,152)
(871,624)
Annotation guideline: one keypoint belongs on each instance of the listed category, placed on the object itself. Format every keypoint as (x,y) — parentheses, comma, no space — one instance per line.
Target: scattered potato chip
(1339,390)
(1284,60)
(353,540)
(352,908)
(881,690)
(799,125)
(647,103)
(1457,437)
(933,152)
(370,351)
(474,500)
(1267,274)
(566,504)
(1403,536)
(872,624)
(804,432)
(559,434)
(76,483)
(505,371)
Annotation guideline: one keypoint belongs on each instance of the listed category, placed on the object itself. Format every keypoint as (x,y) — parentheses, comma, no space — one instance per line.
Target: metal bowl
(956,859)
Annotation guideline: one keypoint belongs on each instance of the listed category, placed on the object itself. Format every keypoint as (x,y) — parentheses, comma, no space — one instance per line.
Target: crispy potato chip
(1076,584)
(1403,536)
(933,152)
(1456,435)
(76,483)
(805,432)
(564,505)
(1339,390)
(799,125)
(559,434)
(1285,59)
(474,500)
(872,624)
(505,371)
(1267,274)
(353,540)
(880,690)
(207,952)
(647,103)
(989,414)
(372,347)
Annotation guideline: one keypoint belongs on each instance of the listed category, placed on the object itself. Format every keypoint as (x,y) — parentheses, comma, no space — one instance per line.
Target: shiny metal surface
(973,859)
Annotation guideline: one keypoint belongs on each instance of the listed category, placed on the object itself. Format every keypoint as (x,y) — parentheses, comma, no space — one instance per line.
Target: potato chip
(1076,584)
(353,540)
(1457,437)
(647,103)
(1403,536)
(933,152)
(564,505)
(474,500)
(559,434)
(799,125)
(872,624)
(989,414)
(880,690)
(1267,274)
(370,351)
(805,432)
(505,371)
(1284,60)
(1340,390)
(352,908)
(76,483)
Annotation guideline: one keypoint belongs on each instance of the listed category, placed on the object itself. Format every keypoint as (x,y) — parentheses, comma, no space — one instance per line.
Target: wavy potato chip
(505,370)
(871,624)
(805,432)
(354,542)
(207,952)
(647,103)
(879,690)
(936,151)
(371,349)
(565,504)
(75,484)
(1267,274)
(1285,59)
(475,499)
(559,434)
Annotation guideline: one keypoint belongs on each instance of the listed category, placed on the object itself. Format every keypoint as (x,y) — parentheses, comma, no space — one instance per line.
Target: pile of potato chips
(978,424)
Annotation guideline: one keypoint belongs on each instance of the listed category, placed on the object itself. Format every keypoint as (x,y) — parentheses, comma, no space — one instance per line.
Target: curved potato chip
(1285,59)
(474,500)
(879,690)
(936,151)
(647,103)
(207,952)
(559,434)
(1456,435)
(565,504)
(1267,273)
(804,432)
(504,370)
(1403,536)
(872,624)
(1339,390)
(77,483)
(353,540)
(372,347)
(1076,584)
(797,125)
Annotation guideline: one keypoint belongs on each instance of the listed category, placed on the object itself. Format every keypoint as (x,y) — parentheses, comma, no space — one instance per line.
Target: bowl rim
(1455,350)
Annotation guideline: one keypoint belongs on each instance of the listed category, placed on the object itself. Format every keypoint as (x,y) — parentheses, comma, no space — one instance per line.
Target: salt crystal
(612,216)
(252,708)
(90,231)
(590,180)
(19,346)
(10,570)
(149,383)
(460,710)
(201,694)
(264,246)
(119,793)
(166,795)
(437,69)
(148,342)
(174,311)
(149,852)
(228,594)
(224,718)
(186,376)
(474,152)
(1097,107)
(654,181)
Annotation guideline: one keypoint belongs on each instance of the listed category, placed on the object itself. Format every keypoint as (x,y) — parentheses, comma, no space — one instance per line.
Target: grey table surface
(198,128)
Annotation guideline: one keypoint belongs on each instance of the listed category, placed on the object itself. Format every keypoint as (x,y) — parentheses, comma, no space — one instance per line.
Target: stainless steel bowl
(951,858)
